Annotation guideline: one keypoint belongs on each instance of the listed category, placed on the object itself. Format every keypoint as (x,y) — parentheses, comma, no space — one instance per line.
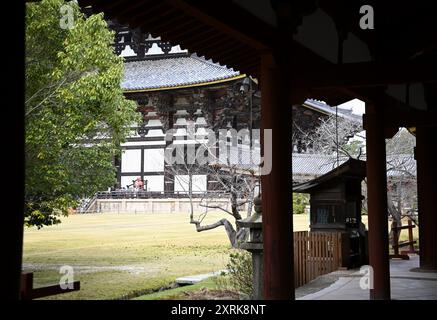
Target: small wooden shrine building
(335,205)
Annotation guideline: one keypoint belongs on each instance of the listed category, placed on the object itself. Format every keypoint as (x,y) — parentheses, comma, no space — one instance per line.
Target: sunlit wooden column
(426,145)
(277,184)
(377,202)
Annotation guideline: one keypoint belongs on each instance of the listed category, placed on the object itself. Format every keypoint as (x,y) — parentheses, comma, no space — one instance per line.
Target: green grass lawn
(404,233)
(117,254)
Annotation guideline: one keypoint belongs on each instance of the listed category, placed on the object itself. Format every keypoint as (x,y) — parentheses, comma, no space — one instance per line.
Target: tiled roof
(305,166)
(178,71)
(309,166)
(313,164)
(351,168)
(329,110)
(173,72)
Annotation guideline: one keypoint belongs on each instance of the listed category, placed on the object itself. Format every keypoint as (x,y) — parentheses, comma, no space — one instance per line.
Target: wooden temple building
(174,88)
(322,49)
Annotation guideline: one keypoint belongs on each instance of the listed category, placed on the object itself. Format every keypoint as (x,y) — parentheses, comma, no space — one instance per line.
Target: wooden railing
(315,254)
(143,194)
(396,230)
(28,292)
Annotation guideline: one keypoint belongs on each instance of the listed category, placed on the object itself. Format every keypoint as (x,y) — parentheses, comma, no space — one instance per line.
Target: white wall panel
(127,180)
(154,183)
(154,123)
(181,183)
(131,160)
(153,160)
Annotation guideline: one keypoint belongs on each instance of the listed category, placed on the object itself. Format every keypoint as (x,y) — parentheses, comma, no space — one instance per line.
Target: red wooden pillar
(377,203)
(426,145)
(277,185)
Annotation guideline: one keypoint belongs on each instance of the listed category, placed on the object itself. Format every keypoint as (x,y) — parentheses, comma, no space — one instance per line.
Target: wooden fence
(315,254)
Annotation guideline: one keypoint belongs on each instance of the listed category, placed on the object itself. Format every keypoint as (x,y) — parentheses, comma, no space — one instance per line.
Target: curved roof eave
(184,86)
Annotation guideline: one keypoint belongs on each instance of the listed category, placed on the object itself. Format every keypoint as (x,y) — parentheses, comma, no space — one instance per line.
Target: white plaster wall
(154,183)
(153,160)
(143,143)
(131,160)
(155,133)
(181,183)
(154,123)
(127,180)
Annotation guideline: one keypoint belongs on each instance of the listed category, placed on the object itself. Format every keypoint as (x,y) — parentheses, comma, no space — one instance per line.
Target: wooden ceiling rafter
(171,18)
(232,14)
(124,12)
(151,17)
(176,21)
(205,42)
(235,50)
(113,5)
(258,36)
(196,43)
(233,57)
(227,52)
(185,27)
(370,74)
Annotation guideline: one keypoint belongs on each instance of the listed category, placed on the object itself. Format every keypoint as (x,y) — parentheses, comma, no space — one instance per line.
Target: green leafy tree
(300,201)
(75,113)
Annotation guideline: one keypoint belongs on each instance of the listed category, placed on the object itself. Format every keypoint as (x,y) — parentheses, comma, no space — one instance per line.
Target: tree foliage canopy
(75,112)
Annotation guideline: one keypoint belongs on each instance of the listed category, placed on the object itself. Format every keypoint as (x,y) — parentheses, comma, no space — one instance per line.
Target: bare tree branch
(231,183)
(230,231)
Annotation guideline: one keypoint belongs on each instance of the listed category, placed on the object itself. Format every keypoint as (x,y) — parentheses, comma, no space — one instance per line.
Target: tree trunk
(234,206)
(396,215)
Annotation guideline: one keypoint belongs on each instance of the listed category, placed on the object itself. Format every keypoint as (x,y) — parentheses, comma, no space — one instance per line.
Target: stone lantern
(255,246)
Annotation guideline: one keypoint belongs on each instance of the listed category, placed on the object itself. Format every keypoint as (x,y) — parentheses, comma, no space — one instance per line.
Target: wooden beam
(54,289)
(309,69)
(207,39)
(277,184)
(231,57)
(150,16)
(182,30)
(411,118)
(377,204)
(226,18)
(124,12)
(396,117)
(323,78)
(177,22)
(426,196)
(12,250)
(29,293)
(362,74)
